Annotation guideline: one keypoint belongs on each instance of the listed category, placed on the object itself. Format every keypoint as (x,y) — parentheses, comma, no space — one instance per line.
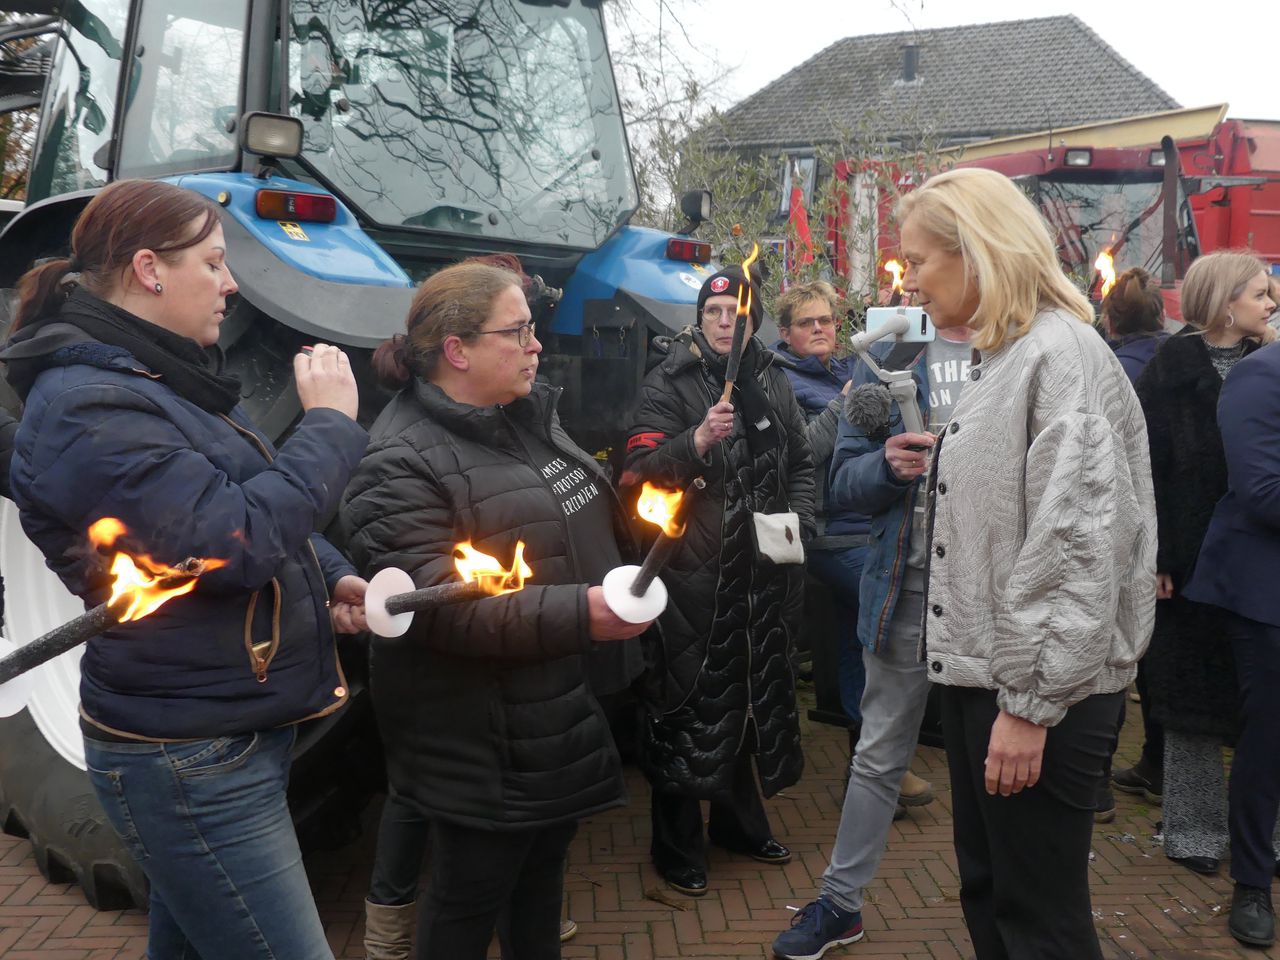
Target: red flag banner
(800,247)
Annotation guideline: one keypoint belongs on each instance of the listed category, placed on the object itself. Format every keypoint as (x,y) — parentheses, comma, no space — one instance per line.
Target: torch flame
(474,566)
(1106,267)
(745,308)
(659,507)
(142,583)
(895,268)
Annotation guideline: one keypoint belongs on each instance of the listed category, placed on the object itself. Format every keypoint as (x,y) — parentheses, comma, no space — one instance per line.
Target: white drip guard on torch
(35,603)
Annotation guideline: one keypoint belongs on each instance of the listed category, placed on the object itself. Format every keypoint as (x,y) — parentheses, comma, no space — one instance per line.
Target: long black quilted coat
(1191,676)
(721,675)
(484,707)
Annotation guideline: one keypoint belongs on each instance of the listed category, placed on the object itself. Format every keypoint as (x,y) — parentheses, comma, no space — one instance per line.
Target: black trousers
(1253,797)
(1152,729)
(403,838)
(737,822)
(1024,859)
(476,875)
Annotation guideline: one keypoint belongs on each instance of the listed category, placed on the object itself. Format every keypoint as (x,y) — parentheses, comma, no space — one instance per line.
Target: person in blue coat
(1133,313)
(808,322)
(189,714)
(1235,570)
(877,469)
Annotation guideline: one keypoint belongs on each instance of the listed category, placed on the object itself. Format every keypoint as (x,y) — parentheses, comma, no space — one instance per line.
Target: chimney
(910,62)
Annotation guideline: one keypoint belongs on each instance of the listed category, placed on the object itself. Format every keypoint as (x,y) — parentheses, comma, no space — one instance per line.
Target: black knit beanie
(728,282)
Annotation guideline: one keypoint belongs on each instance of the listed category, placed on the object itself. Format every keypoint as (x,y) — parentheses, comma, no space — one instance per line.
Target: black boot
(1142,779)
(1253,922)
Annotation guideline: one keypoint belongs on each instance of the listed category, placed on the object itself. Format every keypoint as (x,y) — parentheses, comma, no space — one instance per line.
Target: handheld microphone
(868,408)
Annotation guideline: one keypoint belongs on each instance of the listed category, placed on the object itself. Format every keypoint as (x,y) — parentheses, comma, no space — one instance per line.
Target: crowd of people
(1074,502)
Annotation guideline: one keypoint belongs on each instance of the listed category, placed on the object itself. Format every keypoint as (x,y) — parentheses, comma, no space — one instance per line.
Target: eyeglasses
(715,313)
(808,323)
(524,332)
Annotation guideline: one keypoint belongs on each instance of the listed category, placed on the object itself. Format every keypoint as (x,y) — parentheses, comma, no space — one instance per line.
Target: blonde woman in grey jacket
(1041,578)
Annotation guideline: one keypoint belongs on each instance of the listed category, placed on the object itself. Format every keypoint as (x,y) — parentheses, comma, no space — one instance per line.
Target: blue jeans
(208,823)
(841,570)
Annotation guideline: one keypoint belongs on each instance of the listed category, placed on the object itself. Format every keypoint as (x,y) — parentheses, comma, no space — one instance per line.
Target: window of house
(800,170)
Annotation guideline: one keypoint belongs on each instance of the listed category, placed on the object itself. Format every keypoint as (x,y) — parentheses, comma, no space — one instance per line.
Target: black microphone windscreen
(868,408)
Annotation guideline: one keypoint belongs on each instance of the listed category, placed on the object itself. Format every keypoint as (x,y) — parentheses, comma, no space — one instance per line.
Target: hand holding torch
(635,594)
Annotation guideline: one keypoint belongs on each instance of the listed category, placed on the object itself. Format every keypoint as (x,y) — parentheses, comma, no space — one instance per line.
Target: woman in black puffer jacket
(721,685)
(489,722)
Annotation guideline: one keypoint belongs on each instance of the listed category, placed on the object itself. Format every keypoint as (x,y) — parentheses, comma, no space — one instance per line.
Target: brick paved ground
(1146,907)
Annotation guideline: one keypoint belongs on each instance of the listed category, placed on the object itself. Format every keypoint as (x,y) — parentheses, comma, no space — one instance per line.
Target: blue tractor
(356,146)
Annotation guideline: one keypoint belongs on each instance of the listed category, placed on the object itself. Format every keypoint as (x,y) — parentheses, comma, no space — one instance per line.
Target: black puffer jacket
(1190,670)
(484,707)
(721,676)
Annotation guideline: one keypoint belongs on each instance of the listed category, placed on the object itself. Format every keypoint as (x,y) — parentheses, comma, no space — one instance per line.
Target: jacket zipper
(749,716)
(261,664)
(899,557)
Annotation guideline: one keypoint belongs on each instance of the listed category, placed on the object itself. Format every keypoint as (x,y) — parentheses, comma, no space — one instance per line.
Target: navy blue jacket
(818,391)
(861,480)
(1136,350)
(252,646)
(1240,554)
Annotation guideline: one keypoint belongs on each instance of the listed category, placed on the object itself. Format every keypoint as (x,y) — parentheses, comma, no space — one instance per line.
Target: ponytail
(41,291)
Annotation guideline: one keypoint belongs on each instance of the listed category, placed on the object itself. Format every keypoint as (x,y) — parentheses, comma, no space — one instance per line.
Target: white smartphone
(919,329)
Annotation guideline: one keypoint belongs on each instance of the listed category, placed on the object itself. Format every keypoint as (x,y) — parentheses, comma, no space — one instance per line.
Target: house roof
(972,82)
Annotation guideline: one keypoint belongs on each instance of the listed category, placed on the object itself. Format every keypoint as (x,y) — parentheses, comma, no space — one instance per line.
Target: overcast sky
(1198,57)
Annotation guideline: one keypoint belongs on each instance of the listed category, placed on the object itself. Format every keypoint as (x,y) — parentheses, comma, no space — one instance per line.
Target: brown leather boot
(388,930)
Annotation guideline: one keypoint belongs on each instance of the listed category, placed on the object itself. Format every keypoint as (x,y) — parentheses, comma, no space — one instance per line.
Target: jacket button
(975,374)
(941,550)
(937,666)
(937,610)
(942,488)
(955,427)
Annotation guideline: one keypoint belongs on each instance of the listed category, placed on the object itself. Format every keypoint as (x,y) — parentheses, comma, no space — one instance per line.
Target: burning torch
(1106,267)
(894,268)
(141,585)
(740,328)
(392,599)
(635,594)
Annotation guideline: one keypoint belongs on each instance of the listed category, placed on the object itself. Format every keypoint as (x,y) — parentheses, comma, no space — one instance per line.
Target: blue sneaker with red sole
(815,929)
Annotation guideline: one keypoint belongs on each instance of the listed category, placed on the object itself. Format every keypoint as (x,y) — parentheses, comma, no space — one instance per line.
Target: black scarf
(188,369)
(758,417)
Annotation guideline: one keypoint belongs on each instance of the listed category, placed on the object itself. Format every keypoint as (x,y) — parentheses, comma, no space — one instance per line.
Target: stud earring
(159,288)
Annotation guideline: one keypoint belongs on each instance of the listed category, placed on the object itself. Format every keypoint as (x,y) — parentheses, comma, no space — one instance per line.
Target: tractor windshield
(1095,213)
(497,118)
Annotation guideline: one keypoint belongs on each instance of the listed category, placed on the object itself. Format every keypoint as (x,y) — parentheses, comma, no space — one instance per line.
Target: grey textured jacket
(1042,558)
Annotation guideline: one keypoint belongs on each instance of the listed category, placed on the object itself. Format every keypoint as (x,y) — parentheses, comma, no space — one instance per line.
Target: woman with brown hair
(1191,678)
(1133,314)
(490,725)
(189,715)
(1133,320)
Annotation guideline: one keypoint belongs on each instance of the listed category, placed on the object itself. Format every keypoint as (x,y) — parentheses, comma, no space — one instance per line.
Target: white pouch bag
(778,537)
